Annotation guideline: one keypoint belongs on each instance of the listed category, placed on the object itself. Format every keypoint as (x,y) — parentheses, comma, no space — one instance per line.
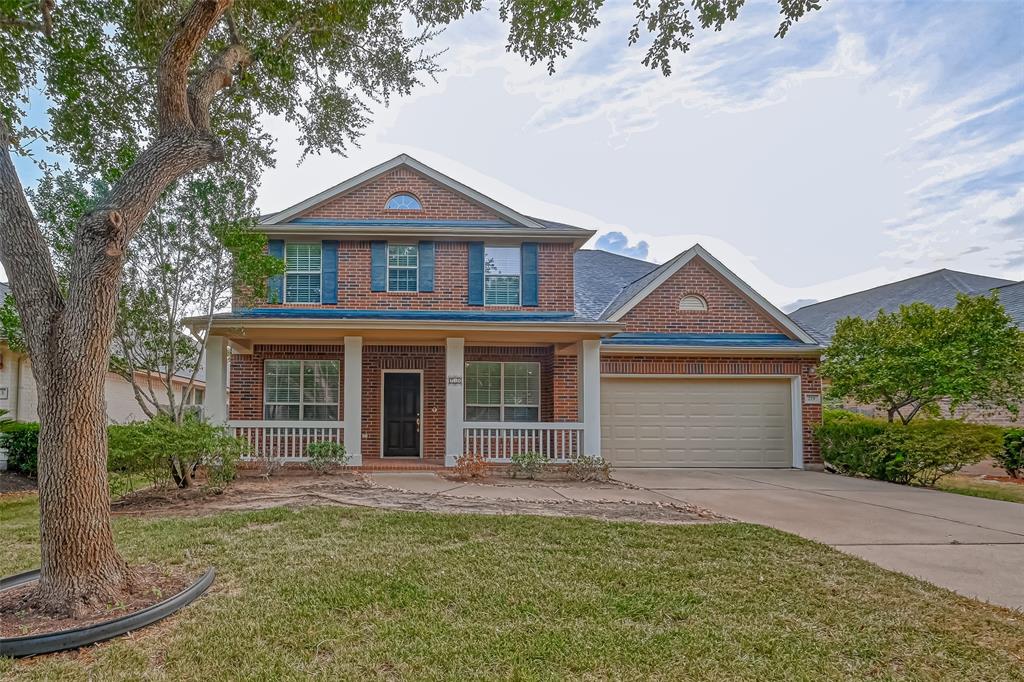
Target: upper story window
(403,263)
(502,275)
(301,389)
(302,273)
(693,302)
(503,391)
(403,202)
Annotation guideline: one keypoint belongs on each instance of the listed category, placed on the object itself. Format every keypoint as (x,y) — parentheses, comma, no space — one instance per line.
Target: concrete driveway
(967,544)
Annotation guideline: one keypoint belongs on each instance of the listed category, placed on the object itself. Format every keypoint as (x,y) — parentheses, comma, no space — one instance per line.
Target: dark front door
(401,414)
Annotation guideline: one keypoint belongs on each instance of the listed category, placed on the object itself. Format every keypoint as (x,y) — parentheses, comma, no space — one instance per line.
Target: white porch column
(590,395)
(455,399)
(353,399)
(215,401)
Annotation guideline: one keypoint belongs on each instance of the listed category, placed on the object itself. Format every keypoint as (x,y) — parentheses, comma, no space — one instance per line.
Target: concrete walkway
(970,545)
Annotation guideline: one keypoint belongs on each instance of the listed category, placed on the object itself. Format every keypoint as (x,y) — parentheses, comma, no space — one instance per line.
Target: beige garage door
(696,422)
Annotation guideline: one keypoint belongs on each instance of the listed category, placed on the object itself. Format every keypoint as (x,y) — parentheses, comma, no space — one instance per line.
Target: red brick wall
(367,201)
(566,381)
(805,368)
(451,281)
(246,375)
(728,311)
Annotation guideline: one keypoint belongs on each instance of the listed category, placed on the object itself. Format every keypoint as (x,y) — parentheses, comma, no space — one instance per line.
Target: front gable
(695,294)
(368,201)
(364,198)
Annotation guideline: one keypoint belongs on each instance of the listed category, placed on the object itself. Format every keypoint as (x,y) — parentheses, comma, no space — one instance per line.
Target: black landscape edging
(50,642)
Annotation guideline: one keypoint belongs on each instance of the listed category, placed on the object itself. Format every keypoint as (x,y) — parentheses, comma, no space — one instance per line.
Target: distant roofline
(900,281)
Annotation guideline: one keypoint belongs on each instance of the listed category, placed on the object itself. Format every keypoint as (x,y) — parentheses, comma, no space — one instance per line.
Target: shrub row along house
(419,320)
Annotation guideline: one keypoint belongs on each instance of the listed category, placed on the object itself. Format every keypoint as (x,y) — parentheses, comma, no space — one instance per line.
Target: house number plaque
(454,381)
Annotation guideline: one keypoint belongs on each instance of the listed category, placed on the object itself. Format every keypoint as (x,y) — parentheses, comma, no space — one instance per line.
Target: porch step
(411,464)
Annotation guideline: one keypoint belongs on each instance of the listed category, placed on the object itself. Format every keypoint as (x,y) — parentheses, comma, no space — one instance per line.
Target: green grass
(993,490)
(338,593)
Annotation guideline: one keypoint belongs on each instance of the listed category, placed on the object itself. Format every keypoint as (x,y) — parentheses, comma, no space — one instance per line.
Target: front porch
(398,404)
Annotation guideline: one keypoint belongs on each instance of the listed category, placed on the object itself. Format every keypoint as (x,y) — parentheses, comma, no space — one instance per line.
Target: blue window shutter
(426,266)
(476,273)
(378,266)
(329,271)
(529,257)
(275,284)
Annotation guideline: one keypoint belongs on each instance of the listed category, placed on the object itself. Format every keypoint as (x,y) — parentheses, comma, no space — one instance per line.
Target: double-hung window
(403,263)
(502,275)
(301,389)
(502,391)
(302,273)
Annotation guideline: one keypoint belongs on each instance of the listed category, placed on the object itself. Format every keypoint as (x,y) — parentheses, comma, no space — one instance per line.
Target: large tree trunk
(68,338)
(79,562)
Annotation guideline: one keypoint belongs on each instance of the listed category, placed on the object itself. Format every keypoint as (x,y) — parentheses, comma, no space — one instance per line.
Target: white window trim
(517,247)
(501,387)
(415,268)
(320,272)
(302,378)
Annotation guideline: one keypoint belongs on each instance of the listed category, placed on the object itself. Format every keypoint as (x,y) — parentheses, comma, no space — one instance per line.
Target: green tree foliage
(909,360)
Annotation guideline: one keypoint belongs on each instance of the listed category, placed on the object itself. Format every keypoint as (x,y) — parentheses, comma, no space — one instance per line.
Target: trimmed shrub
(21,440)
(527,465)
(1011,458)
(324,455)
(921,452)
(925,451)
(589,468)
(846,441)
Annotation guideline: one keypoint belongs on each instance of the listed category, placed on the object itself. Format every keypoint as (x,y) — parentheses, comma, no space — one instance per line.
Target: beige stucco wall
(121,404)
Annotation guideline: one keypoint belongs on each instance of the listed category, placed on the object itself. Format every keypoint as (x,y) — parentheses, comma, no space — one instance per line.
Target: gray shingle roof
(1012,298)
(5,289)
(600,277)
(937,288)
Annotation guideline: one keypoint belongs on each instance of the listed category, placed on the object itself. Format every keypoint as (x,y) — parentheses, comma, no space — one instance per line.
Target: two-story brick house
(418,320)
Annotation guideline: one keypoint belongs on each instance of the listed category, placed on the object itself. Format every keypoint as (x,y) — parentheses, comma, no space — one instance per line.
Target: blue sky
(877,141)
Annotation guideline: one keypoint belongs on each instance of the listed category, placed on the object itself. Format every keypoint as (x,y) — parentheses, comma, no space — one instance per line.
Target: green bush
(921,452)
(527,465)
(324,455)
(1011,457)
(925,451)
(846,441)
(162,450)
(21,440)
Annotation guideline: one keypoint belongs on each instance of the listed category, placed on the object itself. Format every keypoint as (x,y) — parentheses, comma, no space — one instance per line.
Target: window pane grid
(302,273)
(501,290)
(503,391)
(403,261)
(301,389)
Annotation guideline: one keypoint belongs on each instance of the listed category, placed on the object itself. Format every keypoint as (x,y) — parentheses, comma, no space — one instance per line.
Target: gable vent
(693,302)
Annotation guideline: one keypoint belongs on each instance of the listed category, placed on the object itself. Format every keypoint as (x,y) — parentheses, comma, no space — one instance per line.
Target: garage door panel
(696,422)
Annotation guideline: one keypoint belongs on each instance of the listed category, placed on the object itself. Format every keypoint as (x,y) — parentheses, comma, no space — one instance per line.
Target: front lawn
(976,487)
(339,593)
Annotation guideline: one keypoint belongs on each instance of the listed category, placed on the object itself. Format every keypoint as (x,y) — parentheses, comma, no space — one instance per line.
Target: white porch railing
(558,442)
(285,440)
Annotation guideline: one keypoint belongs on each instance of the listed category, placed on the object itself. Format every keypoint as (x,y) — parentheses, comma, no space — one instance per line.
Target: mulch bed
(252,491)
(1002,479)
(11,482)
(20,616)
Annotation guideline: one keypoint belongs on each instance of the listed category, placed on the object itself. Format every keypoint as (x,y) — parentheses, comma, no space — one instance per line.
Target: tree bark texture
(68,338)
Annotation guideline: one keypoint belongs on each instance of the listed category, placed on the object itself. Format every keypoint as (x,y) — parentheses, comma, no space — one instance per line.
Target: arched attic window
(403,202)
(693,303)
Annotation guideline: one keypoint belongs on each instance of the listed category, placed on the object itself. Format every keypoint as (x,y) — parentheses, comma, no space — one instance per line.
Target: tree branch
(175,60)
(214,78)
(26,257)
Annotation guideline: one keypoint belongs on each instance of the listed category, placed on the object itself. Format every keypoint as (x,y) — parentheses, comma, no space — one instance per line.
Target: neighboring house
(18,387)
(419,320)
(940,289)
